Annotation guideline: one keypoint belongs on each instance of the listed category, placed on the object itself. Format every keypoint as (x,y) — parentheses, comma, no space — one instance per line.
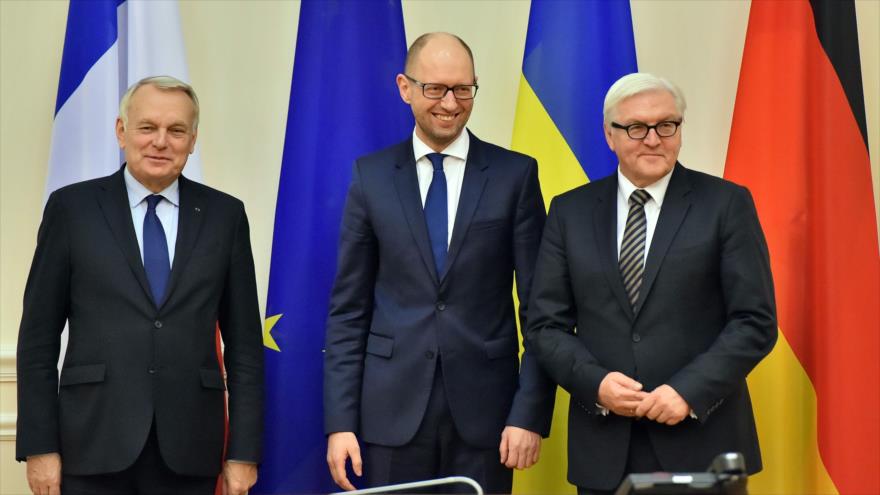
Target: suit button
(441,306)
(157,324)
(429,354)
(152,370)
(636,337)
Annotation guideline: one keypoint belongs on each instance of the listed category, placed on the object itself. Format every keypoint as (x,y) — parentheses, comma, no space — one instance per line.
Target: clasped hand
(624,396)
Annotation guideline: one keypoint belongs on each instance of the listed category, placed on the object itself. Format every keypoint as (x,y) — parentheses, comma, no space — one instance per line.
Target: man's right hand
(620,394)
(341,446)
(44,474)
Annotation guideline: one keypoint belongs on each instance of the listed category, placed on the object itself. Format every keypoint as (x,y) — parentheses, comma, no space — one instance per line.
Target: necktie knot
(152,201)
(436,161)
(640,197)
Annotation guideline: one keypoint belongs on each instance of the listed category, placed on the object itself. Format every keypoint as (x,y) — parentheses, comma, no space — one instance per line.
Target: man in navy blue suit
(421,360)
(142,265)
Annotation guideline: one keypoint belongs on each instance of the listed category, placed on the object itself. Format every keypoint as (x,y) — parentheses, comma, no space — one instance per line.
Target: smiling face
(159,135)
(443,60)
(645,161)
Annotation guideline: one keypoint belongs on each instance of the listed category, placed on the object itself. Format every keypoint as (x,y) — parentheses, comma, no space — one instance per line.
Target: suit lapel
(605,224)
(406,182)
(473,184)
(676,204)
(189,224)
(113,200)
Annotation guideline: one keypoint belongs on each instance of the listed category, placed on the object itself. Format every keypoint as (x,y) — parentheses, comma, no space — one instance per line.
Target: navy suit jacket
(705,317)
(128,359)
(391,317)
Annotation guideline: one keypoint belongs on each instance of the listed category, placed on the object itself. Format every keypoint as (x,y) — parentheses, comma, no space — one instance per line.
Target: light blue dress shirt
(167,210)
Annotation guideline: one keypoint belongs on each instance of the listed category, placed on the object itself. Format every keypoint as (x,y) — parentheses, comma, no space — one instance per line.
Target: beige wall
(240,59)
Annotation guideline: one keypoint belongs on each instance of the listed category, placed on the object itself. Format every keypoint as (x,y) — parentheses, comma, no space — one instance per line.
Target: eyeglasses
(667,128)
(434,91)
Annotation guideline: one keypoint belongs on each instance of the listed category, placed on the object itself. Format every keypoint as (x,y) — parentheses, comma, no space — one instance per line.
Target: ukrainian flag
(574,51)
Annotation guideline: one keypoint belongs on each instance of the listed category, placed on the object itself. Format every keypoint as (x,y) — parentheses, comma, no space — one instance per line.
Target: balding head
(442,62)
(438,45)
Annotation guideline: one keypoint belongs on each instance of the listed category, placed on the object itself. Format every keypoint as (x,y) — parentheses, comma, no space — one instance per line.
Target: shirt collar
(457,148)
(138,192)
(657,190)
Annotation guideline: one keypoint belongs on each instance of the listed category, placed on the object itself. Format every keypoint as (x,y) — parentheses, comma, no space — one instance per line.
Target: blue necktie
(437,213)
(156,261)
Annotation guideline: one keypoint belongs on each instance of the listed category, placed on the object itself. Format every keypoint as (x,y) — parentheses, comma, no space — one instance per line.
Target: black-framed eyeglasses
(434,91)
(667,128)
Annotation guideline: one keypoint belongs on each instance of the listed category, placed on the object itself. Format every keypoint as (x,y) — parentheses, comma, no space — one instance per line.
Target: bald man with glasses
(422,354)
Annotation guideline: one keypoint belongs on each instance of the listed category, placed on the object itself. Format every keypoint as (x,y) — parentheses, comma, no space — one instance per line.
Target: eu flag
(343,103)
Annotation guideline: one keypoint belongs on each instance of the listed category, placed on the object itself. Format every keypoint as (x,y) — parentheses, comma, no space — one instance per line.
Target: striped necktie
(632,249)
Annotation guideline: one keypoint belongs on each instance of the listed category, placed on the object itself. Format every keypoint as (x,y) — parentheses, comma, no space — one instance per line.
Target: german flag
(799,143)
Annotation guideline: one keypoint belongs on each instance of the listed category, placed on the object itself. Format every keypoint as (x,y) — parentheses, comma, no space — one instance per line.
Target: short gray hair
(165,83)
(636,83)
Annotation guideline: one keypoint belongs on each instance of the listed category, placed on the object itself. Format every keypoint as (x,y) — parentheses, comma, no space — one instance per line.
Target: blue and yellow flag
(343,104)
(574,51)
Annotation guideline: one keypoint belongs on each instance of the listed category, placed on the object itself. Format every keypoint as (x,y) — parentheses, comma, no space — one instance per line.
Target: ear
(403,86)
(120,133)
(607,129)
(192,145)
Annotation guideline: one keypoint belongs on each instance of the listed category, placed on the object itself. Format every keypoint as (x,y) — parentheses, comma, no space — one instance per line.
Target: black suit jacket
(705,317)
(391,317)
(127,359)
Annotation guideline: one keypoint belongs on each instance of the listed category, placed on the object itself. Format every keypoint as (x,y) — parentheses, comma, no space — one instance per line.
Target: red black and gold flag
(799,143)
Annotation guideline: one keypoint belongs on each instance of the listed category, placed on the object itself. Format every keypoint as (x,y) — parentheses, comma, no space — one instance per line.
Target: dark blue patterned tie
(437,213)
(156,261)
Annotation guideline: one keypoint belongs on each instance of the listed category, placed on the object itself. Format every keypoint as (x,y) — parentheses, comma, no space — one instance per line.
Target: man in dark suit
(142,265)
(422,349)
(652,301)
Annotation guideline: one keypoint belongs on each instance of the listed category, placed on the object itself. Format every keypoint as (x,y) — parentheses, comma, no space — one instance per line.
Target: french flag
(108,45)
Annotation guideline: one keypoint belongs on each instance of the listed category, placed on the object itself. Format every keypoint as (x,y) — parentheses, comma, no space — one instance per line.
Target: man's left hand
(238,477)
(663,405)
(519,448)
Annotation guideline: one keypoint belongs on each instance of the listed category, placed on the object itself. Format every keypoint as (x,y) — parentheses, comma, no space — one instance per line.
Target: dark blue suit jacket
(391,317)
(128,359)
(705,317)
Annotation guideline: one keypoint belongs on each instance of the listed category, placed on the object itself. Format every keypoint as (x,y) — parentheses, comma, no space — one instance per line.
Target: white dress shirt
(166,210)
(625,188)
(453,168)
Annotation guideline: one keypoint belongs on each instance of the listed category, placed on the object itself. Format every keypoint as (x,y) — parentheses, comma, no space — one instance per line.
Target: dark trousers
(147,476)
(640,458)
(437,451)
